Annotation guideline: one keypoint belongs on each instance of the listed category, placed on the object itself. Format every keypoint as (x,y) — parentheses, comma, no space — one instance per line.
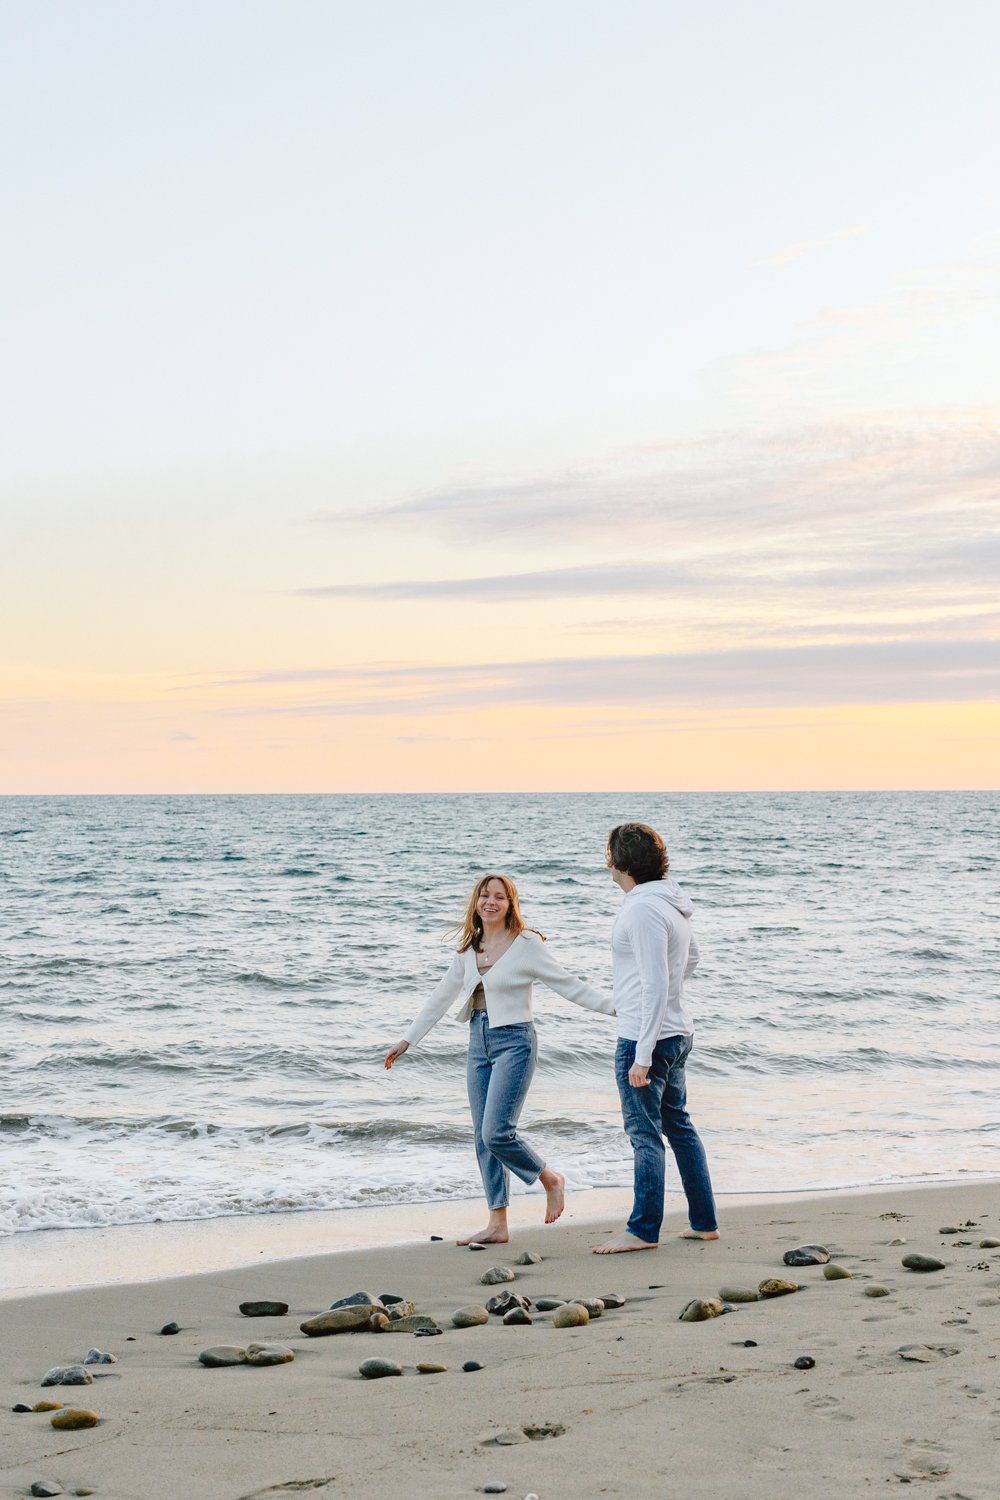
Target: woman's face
(493,903)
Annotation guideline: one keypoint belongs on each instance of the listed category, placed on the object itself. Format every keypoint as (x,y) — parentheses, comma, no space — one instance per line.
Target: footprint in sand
(829,1406)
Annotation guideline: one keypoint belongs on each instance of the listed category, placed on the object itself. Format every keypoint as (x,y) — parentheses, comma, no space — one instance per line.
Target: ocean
(197,993)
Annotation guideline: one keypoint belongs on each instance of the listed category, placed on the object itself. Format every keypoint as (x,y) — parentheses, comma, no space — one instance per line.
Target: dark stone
(470,1365)
(549,1304)
(749,1344)
(807,1255)
(388,1299)
(20,1407)
(427,1333)
(922,1263)
(167,1329)
(528,1258)
(805,1362)
(263,1309)
(516,1315)
(358,1299)
(437,1237)
(46,1487)
(378,1369)
(494,1489)
(504,1301)
(612,1300)
(949,1229)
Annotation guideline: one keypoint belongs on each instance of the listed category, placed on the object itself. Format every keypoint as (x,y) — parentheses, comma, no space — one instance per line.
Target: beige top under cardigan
(506,985)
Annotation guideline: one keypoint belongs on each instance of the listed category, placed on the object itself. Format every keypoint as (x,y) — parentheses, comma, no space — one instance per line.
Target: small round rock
(495,1489)
(570,1315)
(169,1328)
(877,1291)
(989,1244)
(497,1274)
(805,1362)
(528,1258)
(264,1309)
(470,1365)
(612,1300)
(737,1294)
(73,1418)
(470,1316)
(429,1369)
(21,1406)
(776,1286)
(516,1315)
(46,1487)
(922,1263)
(833,1272)
(700,1310)
(378,1369)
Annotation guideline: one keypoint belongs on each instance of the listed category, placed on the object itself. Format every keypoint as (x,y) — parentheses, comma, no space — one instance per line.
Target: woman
(492,972)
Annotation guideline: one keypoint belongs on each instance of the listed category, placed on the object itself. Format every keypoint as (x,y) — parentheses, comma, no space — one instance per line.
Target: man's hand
(396,1052)
(638,1075)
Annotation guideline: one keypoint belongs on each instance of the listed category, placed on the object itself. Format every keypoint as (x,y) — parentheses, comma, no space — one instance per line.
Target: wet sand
(636,1402)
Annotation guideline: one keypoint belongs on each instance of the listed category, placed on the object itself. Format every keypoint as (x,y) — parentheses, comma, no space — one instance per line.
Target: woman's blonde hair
(471,930)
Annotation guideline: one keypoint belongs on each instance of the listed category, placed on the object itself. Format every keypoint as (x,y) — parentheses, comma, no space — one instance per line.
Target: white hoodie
(653,950)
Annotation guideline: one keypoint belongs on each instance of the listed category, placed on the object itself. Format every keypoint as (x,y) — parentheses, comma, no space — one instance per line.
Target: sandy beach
(904,1388)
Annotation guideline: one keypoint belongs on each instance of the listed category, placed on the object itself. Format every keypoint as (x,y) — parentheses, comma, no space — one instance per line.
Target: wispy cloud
(805,247)
(806,675)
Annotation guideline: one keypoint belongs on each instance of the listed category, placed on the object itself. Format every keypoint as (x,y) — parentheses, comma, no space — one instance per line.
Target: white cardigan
(507,986)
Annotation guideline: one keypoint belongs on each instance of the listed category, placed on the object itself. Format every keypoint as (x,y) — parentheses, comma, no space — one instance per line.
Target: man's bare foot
(495,1236)
(623,1242)
(699,1234)
(555,1196)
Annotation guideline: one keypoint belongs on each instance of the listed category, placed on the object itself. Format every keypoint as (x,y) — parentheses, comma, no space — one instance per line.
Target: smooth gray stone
(594,1305)
(504,1301)
(169,1328)
(359,1299)
(549,1304)
(612,1300)
(378,1369)
(700,1309)
(528,1258)
(837,1273)
(46,1487)
(877,1291)
(738,1294)
(950,1229)
(989,1244)
(263,1309)
(807,1255)
(516,1315)
(338,1320)
(470,1316)
(95,1357)
(67,1375)
(222,1355)
(497,1274)
(268,1354)
(922,1263)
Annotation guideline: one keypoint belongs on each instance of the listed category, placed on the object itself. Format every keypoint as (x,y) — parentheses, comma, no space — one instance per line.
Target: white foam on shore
(69,1259)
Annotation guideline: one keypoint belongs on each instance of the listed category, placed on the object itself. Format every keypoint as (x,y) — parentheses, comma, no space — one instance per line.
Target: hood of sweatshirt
(665,890)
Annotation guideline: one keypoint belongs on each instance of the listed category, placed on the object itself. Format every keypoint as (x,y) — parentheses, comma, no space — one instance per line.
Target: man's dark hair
(637,850)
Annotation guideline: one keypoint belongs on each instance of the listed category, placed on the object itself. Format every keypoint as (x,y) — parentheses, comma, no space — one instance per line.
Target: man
(653,951)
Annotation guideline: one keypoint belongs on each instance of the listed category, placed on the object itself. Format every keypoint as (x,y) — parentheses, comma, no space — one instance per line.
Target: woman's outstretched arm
(550,971)
(445,993)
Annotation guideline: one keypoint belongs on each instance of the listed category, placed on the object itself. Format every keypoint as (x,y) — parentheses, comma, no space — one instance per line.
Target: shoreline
(887,1390)
(38,1263)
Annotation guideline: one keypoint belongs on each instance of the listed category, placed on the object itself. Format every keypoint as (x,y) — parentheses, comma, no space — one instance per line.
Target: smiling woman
(496,962)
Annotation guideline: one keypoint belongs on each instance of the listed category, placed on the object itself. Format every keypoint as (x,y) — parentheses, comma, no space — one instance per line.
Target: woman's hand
(396,1052)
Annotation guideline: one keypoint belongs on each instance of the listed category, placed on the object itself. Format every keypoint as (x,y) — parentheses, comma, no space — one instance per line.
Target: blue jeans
(649,1114)
(500,1068)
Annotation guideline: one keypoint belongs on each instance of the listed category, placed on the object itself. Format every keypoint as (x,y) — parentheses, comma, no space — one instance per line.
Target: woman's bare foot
(699,1234)
(623,1242)
(495,1233)
(554,1184)
(498,1236)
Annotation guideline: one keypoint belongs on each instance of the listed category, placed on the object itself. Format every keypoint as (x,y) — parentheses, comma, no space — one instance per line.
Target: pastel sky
(453,396)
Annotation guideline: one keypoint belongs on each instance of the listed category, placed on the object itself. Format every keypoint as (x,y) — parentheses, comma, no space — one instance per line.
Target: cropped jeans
(649,1114)
(500,1069)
